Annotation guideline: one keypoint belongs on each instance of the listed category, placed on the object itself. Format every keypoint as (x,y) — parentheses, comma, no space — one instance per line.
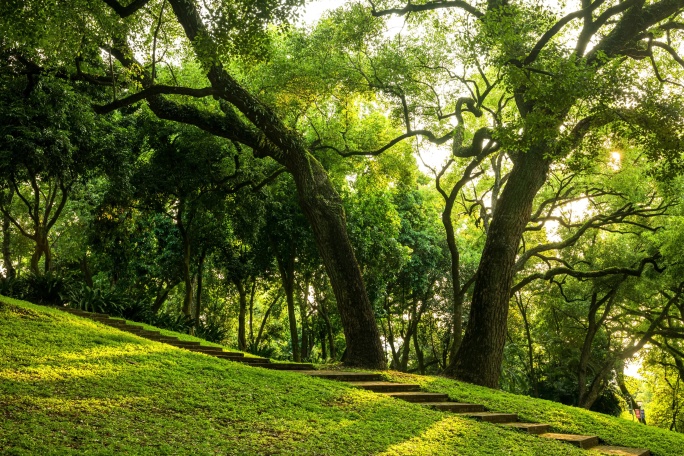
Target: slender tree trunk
(306,334)
(198,301)
(419,353)
(324,351)
(251,312)
(242,340)
(457,309)
(328,326)
(187,274)
(480,355)
(255,347)
(286,267)
(87,273)
(162,295)
(10,272)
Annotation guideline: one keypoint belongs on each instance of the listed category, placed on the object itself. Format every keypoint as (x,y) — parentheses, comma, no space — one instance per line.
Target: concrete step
(419,396)
(344,376)
(492,417)
(530,428)
(582,441)
(455,407)
(621,451)
(384,387)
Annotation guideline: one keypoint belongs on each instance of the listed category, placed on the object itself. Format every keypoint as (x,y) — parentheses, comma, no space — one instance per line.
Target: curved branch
(153,91)
(437,4)
(551,273)
(556,28)
(125,11)
(410,134)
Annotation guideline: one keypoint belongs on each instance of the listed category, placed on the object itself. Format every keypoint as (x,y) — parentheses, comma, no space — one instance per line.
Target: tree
(217,38)
(553,99)
(50,143)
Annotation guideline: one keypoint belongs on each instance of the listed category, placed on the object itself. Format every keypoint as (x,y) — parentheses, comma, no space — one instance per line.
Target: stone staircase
(411,393)
(372,382)
(197,347)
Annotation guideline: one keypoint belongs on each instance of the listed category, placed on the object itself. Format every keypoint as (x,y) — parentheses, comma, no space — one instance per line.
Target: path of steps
(371,382)
(157,336)
(412,393)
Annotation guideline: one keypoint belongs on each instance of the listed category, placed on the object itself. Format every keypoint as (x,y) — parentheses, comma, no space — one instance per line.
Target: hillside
(72,386)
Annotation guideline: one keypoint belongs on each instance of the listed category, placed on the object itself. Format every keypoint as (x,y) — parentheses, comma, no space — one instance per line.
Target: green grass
(73,386)
(562,418)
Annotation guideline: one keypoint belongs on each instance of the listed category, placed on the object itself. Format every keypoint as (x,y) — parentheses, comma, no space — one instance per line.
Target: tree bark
(480,355)
(10,272)
(286,267)
(198,301)
(267,135)
(242,293)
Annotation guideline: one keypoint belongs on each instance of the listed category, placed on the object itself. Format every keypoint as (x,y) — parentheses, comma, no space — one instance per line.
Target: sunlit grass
(71,386)
(613,430)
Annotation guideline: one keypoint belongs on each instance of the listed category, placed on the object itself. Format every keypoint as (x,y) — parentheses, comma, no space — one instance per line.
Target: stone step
(74,311)
(382,387)
(344,376)
(492,417)
(204,349)
(288,366)
(621,451)
(227,355)
(530,428)
(582,441)
(250,360)
(455,407)
(116,323)
(419,396)
(164,339)
(185,343)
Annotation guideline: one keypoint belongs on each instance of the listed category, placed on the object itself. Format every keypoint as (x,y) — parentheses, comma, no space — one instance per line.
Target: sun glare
(615,161)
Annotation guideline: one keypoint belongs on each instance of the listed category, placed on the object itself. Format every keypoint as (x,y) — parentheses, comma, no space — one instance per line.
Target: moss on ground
(73,386)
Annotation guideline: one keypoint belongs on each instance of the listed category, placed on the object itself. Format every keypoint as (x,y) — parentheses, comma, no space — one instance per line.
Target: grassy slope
(563,419)
(69,385)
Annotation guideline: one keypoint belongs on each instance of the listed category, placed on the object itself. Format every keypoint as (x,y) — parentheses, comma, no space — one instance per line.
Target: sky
(315,9)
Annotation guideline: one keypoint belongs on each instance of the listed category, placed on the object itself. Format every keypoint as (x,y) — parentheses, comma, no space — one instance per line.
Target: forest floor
(73,386)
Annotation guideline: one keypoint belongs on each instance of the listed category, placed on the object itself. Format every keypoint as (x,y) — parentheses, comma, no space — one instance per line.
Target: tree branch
(428,6)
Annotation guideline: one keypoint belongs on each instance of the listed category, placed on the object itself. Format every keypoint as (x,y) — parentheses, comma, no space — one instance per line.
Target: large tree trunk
(318,198)
(480,355)
(322,206)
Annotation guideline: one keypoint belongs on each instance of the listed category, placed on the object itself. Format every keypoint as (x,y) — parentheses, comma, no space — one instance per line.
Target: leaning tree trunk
(480,355)
(322,207)
(319,200)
